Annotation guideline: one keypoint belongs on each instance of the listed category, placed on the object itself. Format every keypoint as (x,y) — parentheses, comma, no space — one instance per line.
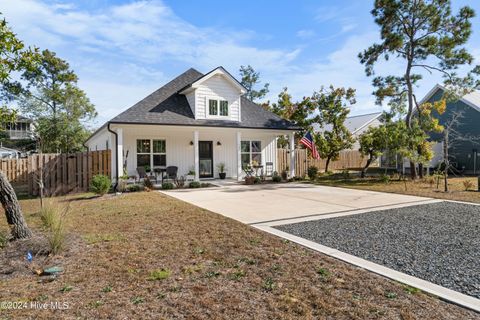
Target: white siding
(217,87)
(100,141)
(181,154)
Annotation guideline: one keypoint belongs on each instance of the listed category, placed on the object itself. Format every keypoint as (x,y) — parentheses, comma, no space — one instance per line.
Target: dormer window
(215,110)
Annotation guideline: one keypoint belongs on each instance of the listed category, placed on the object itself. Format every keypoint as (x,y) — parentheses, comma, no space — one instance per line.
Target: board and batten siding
(217,88)
(181,154)
(100,141)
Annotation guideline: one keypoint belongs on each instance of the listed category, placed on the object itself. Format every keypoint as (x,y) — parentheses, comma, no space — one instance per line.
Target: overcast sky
(124,50)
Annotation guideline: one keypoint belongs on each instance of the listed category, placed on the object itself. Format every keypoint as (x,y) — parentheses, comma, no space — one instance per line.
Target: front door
(205,155)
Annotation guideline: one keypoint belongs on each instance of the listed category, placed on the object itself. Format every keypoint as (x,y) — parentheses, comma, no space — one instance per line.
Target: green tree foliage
(332,106)
(373,143)
(423,35)
(250,79)
(51,97)
(299,113)
(14,57)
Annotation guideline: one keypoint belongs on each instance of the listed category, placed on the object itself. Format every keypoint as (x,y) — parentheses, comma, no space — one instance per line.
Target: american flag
(307,141)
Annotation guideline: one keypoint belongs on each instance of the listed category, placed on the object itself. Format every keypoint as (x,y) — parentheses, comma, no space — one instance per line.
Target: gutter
(116,154)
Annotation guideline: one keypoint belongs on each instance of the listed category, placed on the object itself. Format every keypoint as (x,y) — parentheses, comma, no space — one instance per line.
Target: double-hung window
(151,153)
(217,108)
(251,152)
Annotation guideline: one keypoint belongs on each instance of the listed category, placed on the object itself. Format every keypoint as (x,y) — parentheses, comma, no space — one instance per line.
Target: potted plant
(190,175)
(221,170)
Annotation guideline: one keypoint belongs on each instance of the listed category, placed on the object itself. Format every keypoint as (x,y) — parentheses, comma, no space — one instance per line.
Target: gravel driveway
(437,242)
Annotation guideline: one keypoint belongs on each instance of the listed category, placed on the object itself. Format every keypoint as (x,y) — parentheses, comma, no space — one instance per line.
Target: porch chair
(171,173)
(142,174)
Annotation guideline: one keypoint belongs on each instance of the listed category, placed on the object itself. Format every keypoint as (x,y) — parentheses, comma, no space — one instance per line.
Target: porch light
(191,143)
(219,143)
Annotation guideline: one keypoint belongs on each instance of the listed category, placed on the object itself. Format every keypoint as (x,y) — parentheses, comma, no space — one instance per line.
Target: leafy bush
(468,184)
(312,172)
(385,178)
(345,174)
(194,184)
(257,180)
(167,185)
(53,219)
(100,184)
(134,188)
(147,183)
(276,178)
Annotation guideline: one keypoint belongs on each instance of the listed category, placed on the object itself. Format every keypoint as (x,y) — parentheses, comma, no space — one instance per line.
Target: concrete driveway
(276,202)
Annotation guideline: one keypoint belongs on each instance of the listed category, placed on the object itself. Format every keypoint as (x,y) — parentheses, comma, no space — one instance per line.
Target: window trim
(219,101)
(151,153)
(251,152)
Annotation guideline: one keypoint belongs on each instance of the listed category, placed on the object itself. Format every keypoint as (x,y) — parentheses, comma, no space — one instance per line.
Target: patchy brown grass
(146,255)
(423,188)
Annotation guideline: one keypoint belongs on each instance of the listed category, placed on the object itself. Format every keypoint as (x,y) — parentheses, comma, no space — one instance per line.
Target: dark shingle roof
(166,106)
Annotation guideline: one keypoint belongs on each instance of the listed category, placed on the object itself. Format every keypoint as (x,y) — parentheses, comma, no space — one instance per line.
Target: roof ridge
(365,114)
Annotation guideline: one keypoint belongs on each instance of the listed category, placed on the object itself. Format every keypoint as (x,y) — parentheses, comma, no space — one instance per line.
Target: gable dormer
(215,96)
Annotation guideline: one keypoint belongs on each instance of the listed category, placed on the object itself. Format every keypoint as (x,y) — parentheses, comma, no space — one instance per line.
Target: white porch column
(119,152)
(197,159)
(292,154)
(239,156)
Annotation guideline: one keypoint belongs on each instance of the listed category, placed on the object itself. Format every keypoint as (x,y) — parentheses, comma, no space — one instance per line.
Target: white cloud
(305,33)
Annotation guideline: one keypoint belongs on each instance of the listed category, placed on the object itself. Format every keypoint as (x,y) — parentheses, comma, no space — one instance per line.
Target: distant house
(195,123)
(464,155)
(21,129)
(357,125)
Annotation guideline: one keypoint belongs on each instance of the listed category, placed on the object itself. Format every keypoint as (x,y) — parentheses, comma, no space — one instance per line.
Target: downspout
(116,155)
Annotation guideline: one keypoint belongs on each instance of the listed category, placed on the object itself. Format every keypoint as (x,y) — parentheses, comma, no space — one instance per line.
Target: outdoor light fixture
(191,143)
(219,143)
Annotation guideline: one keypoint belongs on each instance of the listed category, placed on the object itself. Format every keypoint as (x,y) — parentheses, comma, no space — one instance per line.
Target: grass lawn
(422,188)
(145,255)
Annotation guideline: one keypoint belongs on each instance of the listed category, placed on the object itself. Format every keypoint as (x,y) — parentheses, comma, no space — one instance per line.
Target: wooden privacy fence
(348,159)
(61,173)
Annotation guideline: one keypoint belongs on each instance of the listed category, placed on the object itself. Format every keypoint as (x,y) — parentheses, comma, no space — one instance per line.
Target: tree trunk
(413,170)
(420,170)
(445,159)
(13,212)
(364,170)
(326,164)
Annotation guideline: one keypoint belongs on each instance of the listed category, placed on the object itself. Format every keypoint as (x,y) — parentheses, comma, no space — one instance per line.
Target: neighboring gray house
(195,122)
(465,155)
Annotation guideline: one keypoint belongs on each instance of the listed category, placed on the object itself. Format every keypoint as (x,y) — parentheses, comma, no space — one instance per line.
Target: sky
(124,50)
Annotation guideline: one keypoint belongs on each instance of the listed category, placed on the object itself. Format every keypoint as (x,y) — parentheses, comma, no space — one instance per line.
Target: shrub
(167,185)
(257,180)
(385,178)
(148,183)
(134,188)
(194,184)
(284,174)
(100,184)
(180,182)
(312,172)
(53,219)
(276,178)
(205,185)
(345,174)
(468,184)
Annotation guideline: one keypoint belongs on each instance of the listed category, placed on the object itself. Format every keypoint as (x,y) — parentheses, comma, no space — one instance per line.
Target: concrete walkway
(276,202)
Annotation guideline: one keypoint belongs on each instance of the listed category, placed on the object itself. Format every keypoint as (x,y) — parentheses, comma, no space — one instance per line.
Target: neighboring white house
(356,125)
(194,122)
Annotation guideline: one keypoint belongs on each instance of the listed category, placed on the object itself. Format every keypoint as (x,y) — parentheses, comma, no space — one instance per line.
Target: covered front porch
(197,151)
